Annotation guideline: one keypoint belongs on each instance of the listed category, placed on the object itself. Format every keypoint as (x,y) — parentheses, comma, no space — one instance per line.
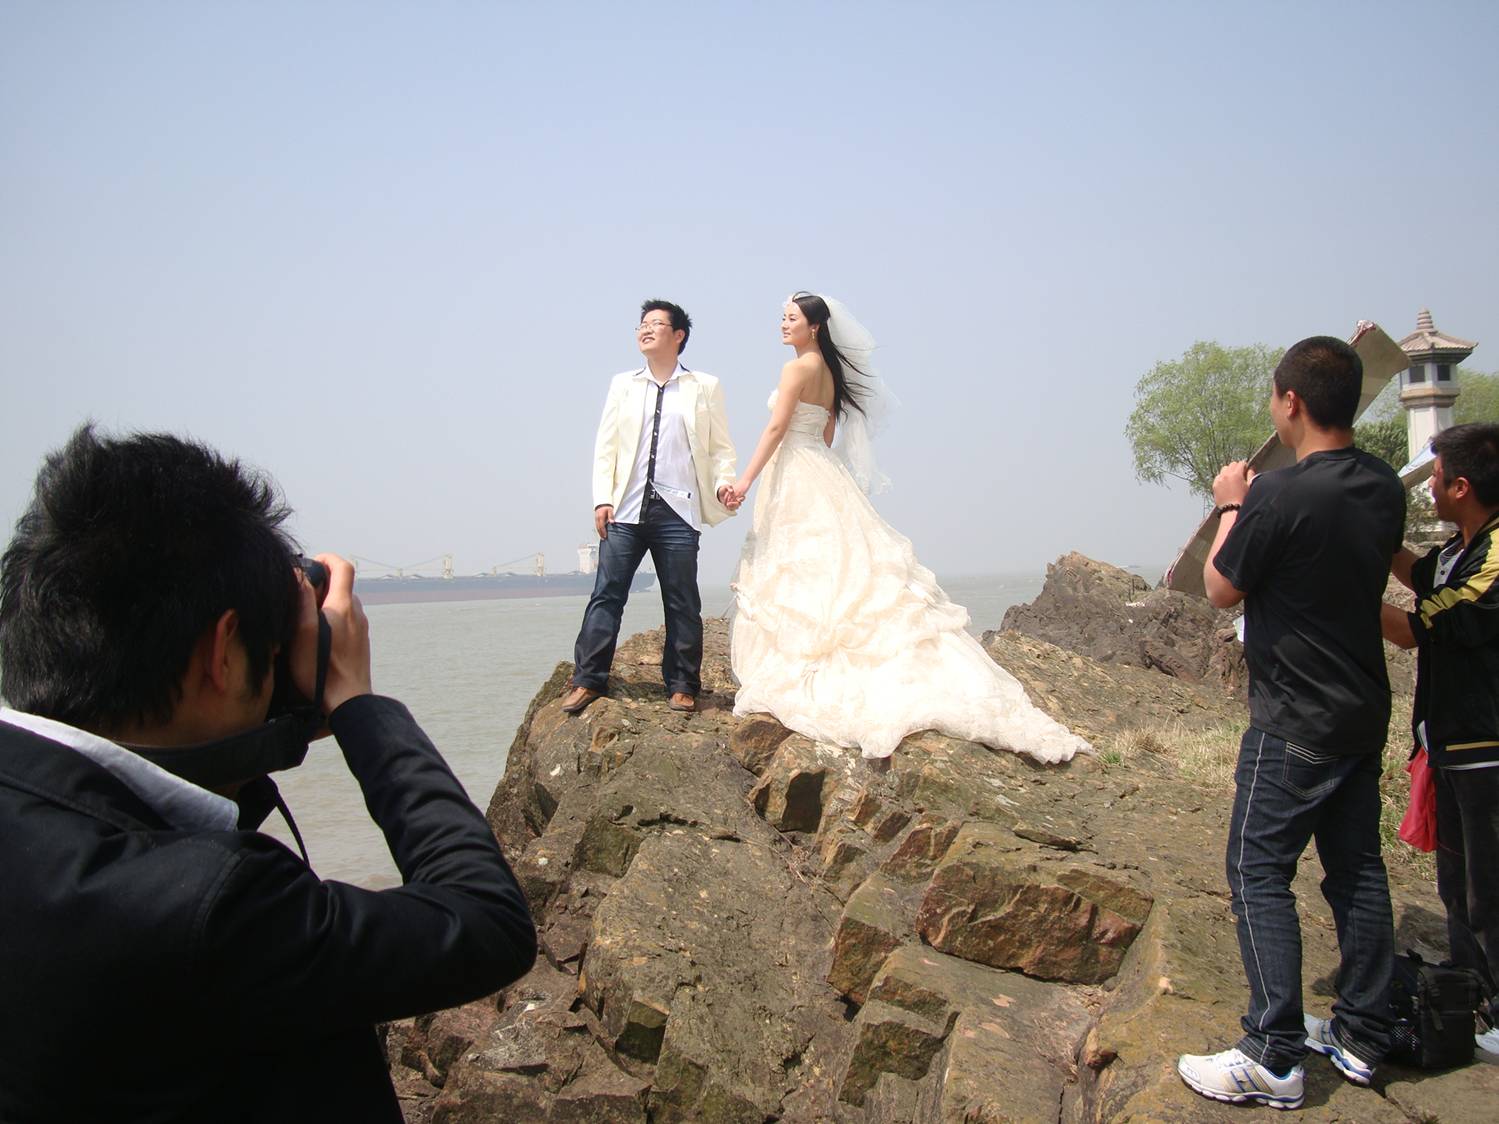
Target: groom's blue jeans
(672,545)
(1285,797)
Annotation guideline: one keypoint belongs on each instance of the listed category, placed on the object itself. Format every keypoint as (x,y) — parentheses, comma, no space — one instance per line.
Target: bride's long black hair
(846,391)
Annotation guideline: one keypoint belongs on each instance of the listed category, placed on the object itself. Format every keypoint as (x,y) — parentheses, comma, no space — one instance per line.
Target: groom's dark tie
(650,468)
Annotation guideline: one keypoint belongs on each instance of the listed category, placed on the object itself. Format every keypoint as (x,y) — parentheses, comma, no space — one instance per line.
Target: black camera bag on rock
(1433,1006)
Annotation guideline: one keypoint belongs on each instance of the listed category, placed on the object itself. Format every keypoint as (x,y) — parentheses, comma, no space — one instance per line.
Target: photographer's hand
(349,654)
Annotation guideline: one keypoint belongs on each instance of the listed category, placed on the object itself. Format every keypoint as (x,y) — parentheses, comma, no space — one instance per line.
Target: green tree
(1479,397)
(1385,438)
(1196,414)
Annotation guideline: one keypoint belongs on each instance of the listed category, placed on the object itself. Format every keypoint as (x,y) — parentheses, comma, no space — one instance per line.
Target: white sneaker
(1488,1041)
(1236,1078)
(1319,1037)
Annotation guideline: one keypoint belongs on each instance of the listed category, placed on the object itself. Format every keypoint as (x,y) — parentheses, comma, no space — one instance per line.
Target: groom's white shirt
(622,447)
(676,483)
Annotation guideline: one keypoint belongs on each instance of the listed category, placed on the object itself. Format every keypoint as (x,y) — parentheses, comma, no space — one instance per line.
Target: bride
(839,631)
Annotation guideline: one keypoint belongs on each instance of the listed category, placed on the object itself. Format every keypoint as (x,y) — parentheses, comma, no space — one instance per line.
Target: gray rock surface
(738,924)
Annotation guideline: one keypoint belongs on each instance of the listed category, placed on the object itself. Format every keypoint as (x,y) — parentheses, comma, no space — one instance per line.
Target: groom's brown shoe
(577,700)
(680,700)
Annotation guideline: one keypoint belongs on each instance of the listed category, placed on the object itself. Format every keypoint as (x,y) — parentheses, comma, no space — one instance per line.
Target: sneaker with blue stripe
(1320,1037)
(1236,1078)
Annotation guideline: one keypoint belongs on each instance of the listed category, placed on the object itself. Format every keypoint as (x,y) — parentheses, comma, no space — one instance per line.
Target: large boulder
(689,970)
(994,899)
(992,1046)
(1113,616)
(878,918)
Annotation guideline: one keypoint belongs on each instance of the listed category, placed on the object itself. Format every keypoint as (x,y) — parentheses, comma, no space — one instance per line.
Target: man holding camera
(1455,630)
(159,958)
(1307,549)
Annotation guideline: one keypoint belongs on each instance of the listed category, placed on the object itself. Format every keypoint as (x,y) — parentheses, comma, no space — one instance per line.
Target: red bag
(1419,827)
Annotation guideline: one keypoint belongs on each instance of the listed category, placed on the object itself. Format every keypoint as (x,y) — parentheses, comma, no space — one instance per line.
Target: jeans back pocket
(1307,773)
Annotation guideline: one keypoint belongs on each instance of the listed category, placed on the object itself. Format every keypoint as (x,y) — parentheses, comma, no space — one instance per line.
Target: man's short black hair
(1471,451)
(131,549)
(680,321)
(1327,375)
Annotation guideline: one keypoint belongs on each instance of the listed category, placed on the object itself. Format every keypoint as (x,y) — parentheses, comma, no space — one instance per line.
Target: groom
(663,466)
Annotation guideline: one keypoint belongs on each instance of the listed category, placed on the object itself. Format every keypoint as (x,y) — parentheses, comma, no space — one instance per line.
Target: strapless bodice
(807,420)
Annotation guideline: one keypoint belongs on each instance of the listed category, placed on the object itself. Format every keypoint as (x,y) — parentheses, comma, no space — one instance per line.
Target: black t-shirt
(1311,551)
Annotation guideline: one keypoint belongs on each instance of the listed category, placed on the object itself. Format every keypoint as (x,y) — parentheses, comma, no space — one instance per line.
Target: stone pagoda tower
(1429,386)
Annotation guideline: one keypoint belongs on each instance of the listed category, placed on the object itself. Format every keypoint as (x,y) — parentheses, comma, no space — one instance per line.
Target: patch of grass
(1207,756)
(1200,755)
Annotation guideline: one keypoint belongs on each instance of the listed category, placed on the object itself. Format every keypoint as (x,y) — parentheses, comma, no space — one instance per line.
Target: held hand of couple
(730,497)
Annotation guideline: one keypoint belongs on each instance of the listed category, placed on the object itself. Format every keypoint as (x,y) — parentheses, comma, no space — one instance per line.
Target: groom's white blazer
(713,458)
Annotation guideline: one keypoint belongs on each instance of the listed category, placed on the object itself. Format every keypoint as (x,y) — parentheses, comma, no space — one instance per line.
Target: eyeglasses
(663,324)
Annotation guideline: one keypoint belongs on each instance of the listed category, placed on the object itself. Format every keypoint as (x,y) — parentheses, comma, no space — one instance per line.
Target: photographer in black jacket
(160,959)
(1455,629)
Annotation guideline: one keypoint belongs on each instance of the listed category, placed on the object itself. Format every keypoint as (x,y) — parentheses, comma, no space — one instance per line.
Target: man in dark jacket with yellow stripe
(1455,629)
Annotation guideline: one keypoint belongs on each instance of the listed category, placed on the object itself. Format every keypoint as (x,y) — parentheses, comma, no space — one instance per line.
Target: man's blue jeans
(672,545)
(1287,796)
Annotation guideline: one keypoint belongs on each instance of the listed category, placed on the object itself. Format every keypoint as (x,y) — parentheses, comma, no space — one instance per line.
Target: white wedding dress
(843,636)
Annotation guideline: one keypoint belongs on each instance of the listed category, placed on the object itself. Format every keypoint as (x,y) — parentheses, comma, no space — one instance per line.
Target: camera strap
(278,744)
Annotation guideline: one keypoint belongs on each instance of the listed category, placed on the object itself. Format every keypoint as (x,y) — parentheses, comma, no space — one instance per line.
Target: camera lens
(317,574)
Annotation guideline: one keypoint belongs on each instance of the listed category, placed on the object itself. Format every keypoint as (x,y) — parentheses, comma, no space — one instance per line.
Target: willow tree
(1195,414)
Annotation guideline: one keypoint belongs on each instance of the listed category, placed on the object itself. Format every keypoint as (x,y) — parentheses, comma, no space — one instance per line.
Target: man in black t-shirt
(1307,549)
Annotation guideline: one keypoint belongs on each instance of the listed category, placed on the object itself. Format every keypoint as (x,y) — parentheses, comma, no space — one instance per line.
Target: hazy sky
(393,252)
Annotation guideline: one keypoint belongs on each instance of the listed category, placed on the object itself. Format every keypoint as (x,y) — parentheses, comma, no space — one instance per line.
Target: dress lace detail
(843,636)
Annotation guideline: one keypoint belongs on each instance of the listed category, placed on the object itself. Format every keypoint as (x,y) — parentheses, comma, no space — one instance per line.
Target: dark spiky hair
(131,548)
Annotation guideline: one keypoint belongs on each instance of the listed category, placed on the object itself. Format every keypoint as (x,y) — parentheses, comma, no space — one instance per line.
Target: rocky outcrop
(1113,616)
(740,924)
(1103,700)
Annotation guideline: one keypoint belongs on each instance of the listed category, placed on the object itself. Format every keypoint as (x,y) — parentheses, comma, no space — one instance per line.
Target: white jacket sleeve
(606,448)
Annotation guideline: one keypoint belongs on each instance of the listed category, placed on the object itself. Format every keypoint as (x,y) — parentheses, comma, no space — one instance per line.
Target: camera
(285,699)
(316,574)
